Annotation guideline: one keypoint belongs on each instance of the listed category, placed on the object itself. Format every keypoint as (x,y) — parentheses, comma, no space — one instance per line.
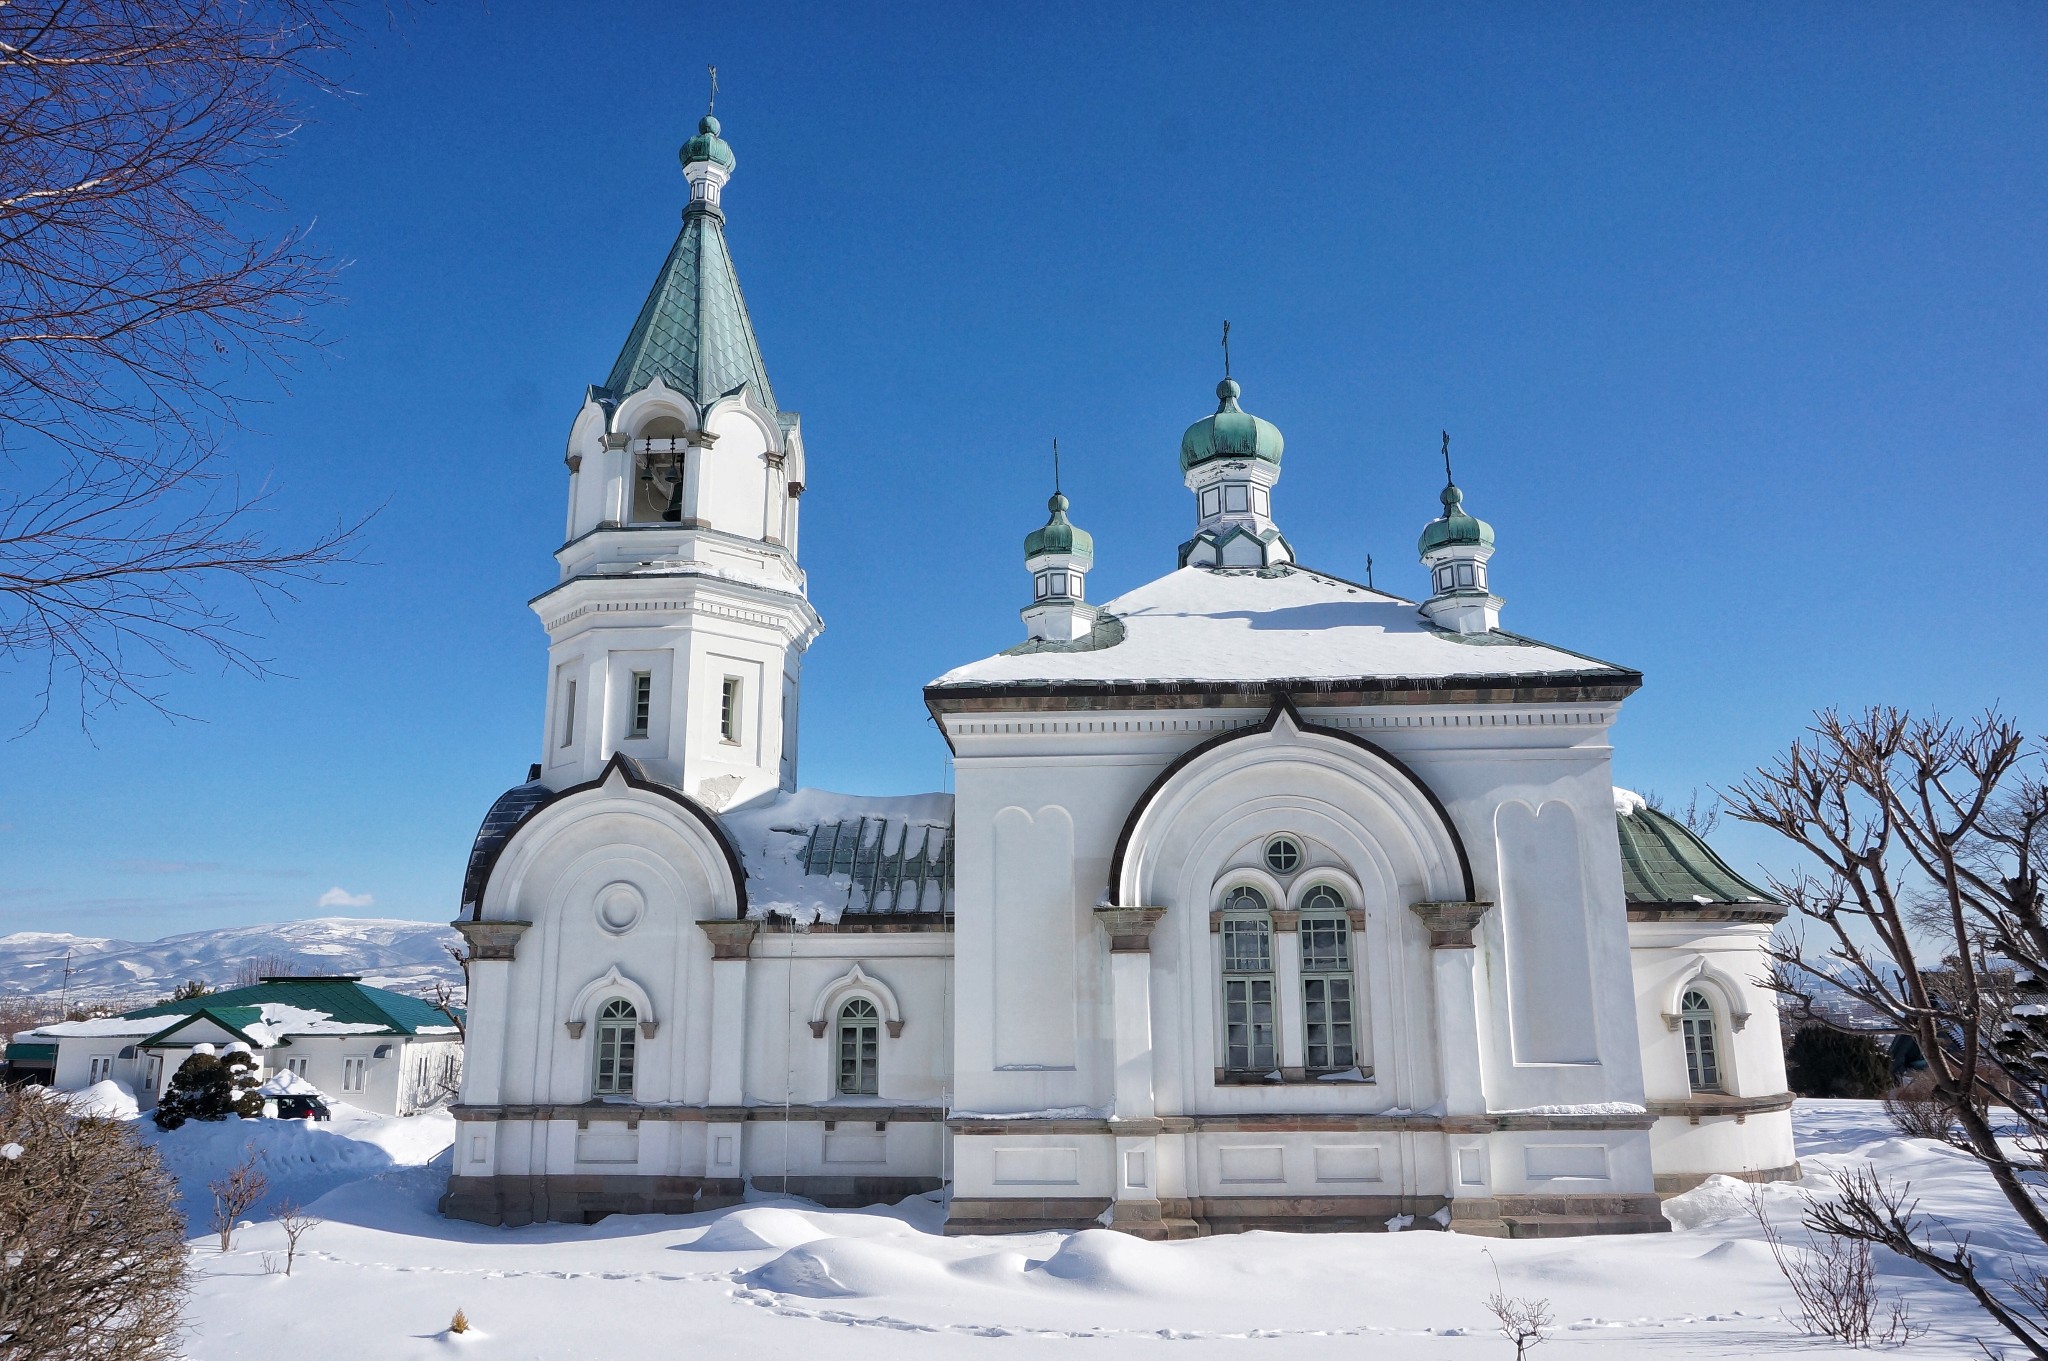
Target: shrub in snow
(92,1240)
(1826,1062)
(235,1194)
(459,1324)
(210,1087)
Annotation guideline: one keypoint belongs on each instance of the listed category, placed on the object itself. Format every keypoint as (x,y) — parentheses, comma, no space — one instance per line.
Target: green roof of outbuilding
(344,999)
(31,1053)
(1059,535)
(1664,862)
(1231,433)
(693,332)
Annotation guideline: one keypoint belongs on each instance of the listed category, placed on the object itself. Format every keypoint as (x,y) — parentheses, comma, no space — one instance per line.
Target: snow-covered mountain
(406,956)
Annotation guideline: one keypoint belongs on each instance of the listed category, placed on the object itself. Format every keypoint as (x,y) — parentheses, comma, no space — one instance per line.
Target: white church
(1264,899)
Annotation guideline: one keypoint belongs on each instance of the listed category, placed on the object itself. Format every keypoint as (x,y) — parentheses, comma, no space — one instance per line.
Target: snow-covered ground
(384,1274)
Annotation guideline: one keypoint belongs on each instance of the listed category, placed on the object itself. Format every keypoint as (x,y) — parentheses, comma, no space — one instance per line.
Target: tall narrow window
(859,1048)
(1702,1057)
(1327,995)
(354,1074)
(618,1033)
(568,711)
(729,710)
(1248,1033)
(643,703)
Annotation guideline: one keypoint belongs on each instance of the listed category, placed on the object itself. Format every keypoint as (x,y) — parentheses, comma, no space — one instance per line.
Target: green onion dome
(1231,433)
(1455,528)
(1059,535)
(707,145)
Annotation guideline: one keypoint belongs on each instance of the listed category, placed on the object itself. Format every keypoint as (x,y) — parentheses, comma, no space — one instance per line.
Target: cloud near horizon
(341,897)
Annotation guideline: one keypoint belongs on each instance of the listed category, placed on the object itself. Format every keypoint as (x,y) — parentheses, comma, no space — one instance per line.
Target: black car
(302,1108)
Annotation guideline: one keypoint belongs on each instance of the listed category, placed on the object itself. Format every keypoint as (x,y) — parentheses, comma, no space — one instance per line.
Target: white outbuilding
(372,1048)
(1264,898)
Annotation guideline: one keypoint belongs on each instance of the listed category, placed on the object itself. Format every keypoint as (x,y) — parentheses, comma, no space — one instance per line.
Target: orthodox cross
(1055,465)
(1226,349)
(1368,572)
(711,104)
(1447,458)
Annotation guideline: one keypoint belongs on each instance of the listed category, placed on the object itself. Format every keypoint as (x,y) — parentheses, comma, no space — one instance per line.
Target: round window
(1283,855)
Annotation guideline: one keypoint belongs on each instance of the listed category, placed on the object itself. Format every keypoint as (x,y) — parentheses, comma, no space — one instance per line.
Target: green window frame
(860,1049)
(618,1042)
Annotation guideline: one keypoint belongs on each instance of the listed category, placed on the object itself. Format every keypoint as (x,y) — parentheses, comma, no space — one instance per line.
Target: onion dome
(1059,535)
(707,145)
(1455,528)
(1231,433)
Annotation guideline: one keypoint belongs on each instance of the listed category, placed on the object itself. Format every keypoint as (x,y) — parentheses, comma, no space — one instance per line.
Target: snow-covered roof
(1274,624)
(813,855)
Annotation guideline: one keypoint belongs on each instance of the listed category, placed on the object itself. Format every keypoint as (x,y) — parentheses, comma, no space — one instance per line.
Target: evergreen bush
(1837,1063)
(210,1087)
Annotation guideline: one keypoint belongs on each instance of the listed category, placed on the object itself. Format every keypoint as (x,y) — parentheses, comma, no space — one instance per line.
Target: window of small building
(859,1048)
(618,1035)
(355,1074)
(1702,1051)
(1248,1012)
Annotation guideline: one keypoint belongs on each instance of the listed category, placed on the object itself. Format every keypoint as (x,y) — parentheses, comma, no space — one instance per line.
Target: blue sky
(1738,317)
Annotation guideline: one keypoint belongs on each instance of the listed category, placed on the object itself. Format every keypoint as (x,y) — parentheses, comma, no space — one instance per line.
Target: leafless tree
(235,1194)
(1834,1282)
(1524,1321)
(296,1223)
(93,1245)
(1700,821)
(1928,833)
(450,1000)
(254,970)
(137,296)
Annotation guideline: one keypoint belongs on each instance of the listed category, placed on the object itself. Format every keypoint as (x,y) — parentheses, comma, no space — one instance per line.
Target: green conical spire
(693,332)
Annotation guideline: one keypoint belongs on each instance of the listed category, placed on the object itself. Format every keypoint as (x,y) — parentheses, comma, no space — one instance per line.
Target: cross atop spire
(711,104)
(1055,465)
(1226,349)
(1448,480)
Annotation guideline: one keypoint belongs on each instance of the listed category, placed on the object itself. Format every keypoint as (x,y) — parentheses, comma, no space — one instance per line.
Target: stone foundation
(1678,1183)
(583,1198)
(1506,1217)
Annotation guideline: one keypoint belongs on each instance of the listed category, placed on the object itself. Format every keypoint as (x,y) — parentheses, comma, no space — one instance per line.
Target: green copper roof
(707,145)
(693,331)
(1664,862)
(344,999)
(1059,535)
(1231,433)
(1454,527)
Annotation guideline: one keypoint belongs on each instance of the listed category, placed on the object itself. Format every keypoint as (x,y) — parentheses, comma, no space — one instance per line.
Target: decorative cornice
(1301,1122)
(1711,1106)
(1450,924)
(1130,928)
(730,939)
(632,1113)
(1561,687)
(492,941)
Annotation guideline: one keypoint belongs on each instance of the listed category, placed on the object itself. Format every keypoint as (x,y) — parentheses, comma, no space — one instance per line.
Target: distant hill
(405,956)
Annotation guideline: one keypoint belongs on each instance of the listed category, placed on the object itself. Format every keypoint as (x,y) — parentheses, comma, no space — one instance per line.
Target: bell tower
(678,627)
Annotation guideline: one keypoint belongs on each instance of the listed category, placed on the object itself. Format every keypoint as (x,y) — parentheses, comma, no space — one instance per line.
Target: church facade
(1264,899)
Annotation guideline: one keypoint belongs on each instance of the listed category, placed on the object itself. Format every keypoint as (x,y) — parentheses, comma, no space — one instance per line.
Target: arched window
(618,1034)
(1328,996)
(1702,1053)
(859,1047)
(1248,1029)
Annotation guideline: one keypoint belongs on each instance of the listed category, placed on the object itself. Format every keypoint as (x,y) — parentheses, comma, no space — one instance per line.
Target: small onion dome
(707,145)
(1455,527)
(1060,535)
(1230,433)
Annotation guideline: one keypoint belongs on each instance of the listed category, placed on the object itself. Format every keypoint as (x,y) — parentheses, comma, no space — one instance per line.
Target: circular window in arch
(1283,855)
